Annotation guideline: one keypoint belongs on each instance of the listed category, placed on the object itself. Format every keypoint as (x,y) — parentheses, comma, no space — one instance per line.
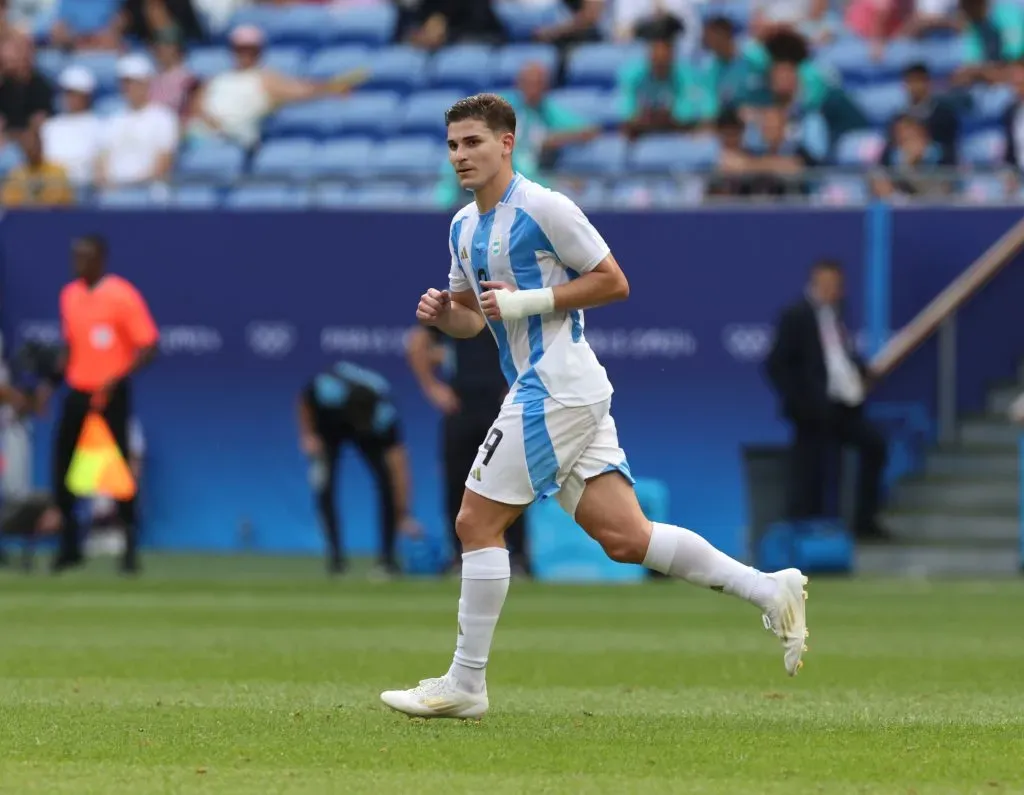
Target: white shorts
(540,448)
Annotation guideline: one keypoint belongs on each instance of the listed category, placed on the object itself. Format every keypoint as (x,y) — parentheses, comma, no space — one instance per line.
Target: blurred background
(279,213)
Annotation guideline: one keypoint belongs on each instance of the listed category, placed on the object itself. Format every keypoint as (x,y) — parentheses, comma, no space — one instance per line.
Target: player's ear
(508,143)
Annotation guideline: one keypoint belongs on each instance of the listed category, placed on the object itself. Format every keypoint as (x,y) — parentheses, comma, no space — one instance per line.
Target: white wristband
(523,303)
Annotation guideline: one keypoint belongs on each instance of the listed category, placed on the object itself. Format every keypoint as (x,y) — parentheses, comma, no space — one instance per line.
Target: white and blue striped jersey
(534,238)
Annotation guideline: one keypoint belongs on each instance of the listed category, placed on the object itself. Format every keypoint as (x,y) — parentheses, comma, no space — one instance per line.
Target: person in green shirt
(804,93)
(661,93)
(994,35)
(735,72)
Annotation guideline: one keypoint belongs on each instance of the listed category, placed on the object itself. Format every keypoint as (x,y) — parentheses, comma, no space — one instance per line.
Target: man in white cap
(73,139)
(140,140)
(234,103)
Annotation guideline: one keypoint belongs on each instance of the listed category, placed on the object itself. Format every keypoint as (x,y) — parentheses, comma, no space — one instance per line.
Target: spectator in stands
(139,141)
(937,113)
(1013,121)
(735,72)
(87,25)
(994,35)
(806,17)
(146,20)
(73,139)
(878,21)
(792,87)
(653,19)
(662,93)
(431,24)
(37,183)
(733,159)
(914,158)
(26,96)
(582,24)
(173,83)
(233,104)
(934,16)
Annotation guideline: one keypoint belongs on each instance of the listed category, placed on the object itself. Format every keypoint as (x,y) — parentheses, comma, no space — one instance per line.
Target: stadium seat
(988,106)
(511,60)
(332,61)
(465,67)
(397,69)
(985,189)
(882,102)
(205,62)
(587,193)
(843,191)
(103,66)
(423,113)
(50,62)
(126,198)
(368,113)
(986,148)
(852,58)
(277,197)
(395,195)
(290,159)
(10,157)
(372,25)
(212,161)
(943,56)
(286,60)
(657,193)
(604,155)
(352,157)
(418,156)
(300,24)
(599,64)
(108,105)
(195,197)
(658,154)
(860,148)
(522,19)
(332,195)
(588,103)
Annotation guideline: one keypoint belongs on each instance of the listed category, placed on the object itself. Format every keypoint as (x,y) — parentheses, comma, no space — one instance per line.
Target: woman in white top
(233,104)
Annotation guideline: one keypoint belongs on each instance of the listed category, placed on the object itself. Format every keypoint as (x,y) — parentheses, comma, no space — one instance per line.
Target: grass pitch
(259,676)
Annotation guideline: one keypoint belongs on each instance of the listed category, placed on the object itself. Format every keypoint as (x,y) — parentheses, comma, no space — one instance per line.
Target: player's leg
(69,426)
(599,495)
(323,479)
(462,437)
(117,413)
(374,452)
(498,488)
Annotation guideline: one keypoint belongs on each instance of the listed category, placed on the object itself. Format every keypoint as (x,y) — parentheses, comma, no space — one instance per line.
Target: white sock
(682,553)
(485,576)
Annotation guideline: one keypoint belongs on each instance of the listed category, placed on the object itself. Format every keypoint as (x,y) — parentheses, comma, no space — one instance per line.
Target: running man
(525,263)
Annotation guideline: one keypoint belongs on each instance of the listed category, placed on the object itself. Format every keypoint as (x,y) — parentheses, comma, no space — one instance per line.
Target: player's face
(827,285)
(476,152)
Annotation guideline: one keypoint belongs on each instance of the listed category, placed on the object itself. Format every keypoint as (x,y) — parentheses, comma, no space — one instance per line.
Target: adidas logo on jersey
(475,474)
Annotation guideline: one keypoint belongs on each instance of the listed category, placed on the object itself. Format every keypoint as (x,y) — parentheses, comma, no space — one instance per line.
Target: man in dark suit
(822,383)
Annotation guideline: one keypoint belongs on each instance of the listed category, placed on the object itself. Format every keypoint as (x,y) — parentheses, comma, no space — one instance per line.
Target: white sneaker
(437,698)
(787,616)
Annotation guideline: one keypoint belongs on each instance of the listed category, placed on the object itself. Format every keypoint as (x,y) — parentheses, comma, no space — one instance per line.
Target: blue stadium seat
(303,25)
(587,193)
(103,66)
(277,197)
(588,103)
(852,58)
(843,191)
(521,20)
(397,69)
(423,113)
(511,60)
(366,113)
(205,62)
(108,105)
(332,61)
(372,25)
(126,198)
(985,148)
(334,195)
(658,154)
(286,60)
(419,156)
(466,67)
(943,56)
(599,64)
(882,102)
(50,62)
(383,194)
(988,106)
(212,161)
(604,155)
(352,157)
(10,157)
(985,189)
(860,148)
(289,159)
(195,197)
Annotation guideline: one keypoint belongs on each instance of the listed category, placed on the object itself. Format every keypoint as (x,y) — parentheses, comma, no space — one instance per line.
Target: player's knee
(472,530)
(624,544)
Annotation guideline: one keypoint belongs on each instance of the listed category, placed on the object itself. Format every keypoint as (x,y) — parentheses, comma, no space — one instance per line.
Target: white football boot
(786,616)
(437,698)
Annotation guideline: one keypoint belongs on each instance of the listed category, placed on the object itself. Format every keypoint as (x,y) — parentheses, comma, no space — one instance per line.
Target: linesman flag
(97,466)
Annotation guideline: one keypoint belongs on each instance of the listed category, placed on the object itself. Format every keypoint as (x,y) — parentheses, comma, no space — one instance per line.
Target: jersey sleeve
(577,244)
(457,281)
(138,321)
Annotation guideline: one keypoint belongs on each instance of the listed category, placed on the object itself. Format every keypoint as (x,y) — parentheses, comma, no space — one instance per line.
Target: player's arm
(309,441)
(424,356)
(398,467)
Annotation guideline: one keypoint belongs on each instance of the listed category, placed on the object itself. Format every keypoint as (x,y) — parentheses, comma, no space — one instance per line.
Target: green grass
(227,676)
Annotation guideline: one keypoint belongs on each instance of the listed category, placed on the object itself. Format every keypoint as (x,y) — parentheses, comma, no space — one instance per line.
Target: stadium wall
(253,303)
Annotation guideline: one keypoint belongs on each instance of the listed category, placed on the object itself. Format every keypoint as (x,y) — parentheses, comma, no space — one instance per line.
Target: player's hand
(1017,410)
(443,398)
(311,444)
(433,304)
(489,299)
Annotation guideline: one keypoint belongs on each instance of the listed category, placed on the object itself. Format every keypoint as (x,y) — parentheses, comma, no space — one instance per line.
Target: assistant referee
(469,395)
(109,334)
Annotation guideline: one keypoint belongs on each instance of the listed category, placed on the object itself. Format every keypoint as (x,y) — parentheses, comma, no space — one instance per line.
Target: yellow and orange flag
(97,466)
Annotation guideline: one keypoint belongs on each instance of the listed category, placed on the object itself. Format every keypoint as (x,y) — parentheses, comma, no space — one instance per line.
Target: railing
(941,315)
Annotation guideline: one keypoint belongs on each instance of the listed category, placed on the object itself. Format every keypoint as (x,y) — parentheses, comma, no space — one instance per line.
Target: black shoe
(336,566)
(130,566)
(65,561)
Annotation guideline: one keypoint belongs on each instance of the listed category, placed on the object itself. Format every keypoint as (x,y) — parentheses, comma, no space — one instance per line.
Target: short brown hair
(494,111)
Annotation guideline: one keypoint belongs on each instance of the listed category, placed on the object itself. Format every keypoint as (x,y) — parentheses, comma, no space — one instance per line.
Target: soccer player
(525,262)
(349,403)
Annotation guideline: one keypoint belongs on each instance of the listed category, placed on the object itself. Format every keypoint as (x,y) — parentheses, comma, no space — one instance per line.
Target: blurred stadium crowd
(622,103)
